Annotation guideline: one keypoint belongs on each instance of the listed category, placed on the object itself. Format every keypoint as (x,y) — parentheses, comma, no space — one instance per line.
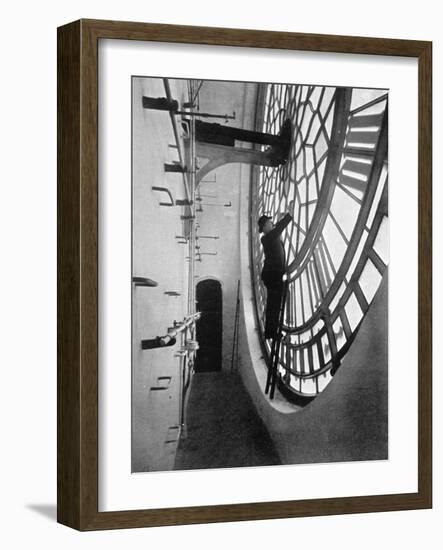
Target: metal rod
(236,323)
(192,227)
(279,338)
(226,204)
(275,348)
(177,139)
(205,115)
(194,97)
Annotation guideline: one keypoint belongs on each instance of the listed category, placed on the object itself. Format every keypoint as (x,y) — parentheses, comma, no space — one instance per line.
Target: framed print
(244,275)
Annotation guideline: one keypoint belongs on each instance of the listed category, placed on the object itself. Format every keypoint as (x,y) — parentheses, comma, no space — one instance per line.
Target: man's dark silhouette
(273,269)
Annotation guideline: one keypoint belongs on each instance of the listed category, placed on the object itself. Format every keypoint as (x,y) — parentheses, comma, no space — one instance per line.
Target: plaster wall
(158,256)
(225,185)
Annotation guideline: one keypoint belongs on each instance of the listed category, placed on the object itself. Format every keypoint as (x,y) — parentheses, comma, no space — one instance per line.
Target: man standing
(273,269)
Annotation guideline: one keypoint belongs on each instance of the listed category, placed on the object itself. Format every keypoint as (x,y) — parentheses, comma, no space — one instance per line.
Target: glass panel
(334,241)
(301,358)
(345,210)
(315,359)
(294,382)
(313,196)
(357,193)
(340,337)
(380,187)
(357,254)
(308,386)
(302,190)
(353,311)
(317,327)
(298,308)
(381,243)
(328,124)
(314,129)
(309,160)
(291,305)
(321,146)
(321,171)
(356,158)
(355,175)
(305,336)
(326,348)
(315,96)
(306,296)
(320,269)
(307,363)
(338,295)
(291,191)
(327,97)
(370,279)
(311,210)
(313,284)
(290,358)
(363,96)
(362,140)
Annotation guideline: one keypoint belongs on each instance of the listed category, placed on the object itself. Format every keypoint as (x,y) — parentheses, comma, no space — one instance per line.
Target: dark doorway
(209,326)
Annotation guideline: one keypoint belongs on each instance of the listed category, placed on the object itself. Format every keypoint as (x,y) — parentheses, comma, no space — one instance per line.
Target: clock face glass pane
(334,185)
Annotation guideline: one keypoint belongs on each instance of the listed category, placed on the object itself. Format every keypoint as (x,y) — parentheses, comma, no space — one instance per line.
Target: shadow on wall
(349,420)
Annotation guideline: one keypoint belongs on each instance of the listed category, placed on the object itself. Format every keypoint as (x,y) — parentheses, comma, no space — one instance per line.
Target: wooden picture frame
(78,274)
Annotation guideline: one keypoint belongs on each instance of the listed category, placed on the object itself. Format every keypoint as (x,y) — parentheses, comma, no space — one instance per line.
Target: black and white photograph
(260,253)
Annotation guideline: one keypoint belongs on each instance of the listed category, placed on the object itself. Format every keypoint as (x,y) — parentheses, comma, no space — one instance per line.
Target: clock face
(334,184)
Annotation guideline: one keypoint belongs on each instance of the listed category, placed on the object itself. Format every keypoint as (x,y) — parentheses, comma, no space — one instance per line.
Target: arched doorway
(209,326)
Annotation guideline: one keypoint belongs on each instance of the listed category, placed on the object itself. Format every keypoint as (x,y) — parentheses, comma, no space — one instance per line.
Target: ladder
(271,379)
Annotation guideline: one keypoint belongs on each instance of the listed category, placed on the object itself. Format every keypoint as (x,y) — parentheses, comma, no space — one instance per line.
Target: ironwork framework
(335,185)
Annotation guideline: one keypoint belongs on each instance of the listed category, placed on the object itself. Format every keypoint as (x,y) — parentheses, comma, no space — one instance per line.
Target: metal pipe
(177,139)
(180,327)
(226,204)
(205,115)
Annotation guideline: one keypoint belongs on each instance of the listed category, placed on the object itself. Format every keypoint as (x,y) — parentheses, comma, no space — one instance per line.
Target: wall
(28,275)
(157,255)
(224,98)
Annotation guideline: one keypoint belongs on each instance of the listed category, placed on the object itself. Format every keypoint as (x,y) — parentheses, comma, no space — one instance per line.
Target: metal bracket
(164,190)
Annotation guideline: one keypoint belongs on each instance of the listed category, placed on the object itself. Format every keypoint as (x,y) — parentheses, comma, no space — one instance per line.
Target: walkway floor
(223,428)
